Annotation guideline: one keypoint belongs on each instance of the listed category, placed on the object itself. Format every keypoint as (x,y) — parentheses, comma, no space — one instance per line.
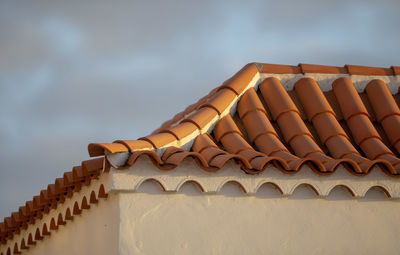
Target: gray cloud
(76,72)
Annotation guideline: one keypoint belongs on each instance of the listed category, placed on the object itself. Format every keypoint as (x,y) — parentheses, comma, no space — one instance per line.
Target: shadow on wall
(233,189)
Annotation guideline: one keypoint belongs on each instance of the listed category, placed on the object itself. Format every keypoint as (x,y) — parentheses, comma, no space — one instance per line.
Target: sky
(77,72)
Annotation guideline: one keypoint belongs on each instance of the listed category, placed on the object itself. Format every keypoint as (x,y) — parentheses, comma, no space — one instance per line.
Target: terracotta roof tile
(396,70)
(202,117)
(134,144)
(323,129)
(386,110)
(255,123)
(307,68)
(239,81)
(221,100)
(181,130)
(367,70)
(279,69)
(99,148)
(159,140)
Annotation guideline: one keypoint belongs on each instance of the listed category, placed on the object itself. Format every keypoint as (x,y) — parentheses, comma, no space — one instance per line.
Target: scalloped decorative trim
(130,179)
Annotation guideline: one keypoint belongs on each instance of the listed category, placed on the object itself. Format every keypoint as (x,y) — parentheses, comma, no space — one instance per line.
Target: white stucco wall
(230,222)
(95,231)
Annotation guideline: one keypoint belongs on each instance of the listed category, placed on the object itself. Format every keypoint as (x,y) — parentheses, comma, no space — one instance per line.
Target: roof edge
(326,69)
(206,108)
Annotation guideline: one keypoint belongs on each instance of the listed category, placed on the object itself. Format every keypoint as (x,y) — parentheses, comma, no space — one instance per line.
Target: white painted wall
(230,222)
(95,231)
(139,217)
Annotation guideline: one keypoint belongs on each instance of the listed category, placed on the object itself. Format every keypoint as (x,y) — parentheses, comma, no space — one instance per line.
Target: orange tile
(229,135)
(279,69)
(97,149)
(240,80)
(210,153)
(225,126)
(366,70)
(135,144)
(202,117)
(159,140)
(323,118)
(220,101)
(181,130)
(249,102)
(276,97)
(312,98)
(386,110)
(396,70)
(355,113)
(203,141)
(307,68)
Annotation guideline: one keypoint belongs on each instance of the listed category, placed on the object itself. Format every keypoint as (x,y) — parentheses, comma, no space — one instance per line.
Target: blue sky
(76,72)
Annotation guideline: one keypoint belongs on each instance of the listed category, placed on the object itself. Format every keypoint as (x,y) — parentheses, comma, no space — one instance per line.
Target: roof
(287,116)
(322,119)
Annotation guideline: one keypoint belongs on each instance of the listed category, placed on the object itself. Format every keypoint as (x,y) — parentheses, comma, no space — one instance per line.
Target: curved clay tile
(357,118)
(181,130)
(180,116)
(175,156)
(279,69)
(159,140)
(288,118)
(135,144)
(261,131)
(367,70)
(202,117)
(97,149)
(229,135)
(307,68)
(155,159)
(215,156)
(239,81)
(320,113)
(293,128)
(386,110)
(221,100)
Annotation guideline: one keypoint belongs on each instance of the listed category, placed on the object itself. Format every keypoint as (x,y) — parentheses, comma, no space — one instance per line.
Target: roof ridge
(208,108)
(302,68)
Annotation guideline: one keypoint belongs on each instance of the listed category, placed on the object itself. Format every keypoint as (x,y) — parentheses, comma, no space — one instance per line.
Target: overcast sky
(76,73)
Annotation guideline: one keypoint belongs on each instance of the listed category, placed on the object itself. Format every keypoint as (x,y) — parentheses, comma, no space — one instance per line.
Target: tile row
(48,199)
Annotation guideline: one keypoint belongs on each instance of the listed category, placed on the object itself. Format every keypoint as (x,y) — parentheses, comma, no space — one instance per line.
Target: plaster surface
(130,179)
(230,222)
